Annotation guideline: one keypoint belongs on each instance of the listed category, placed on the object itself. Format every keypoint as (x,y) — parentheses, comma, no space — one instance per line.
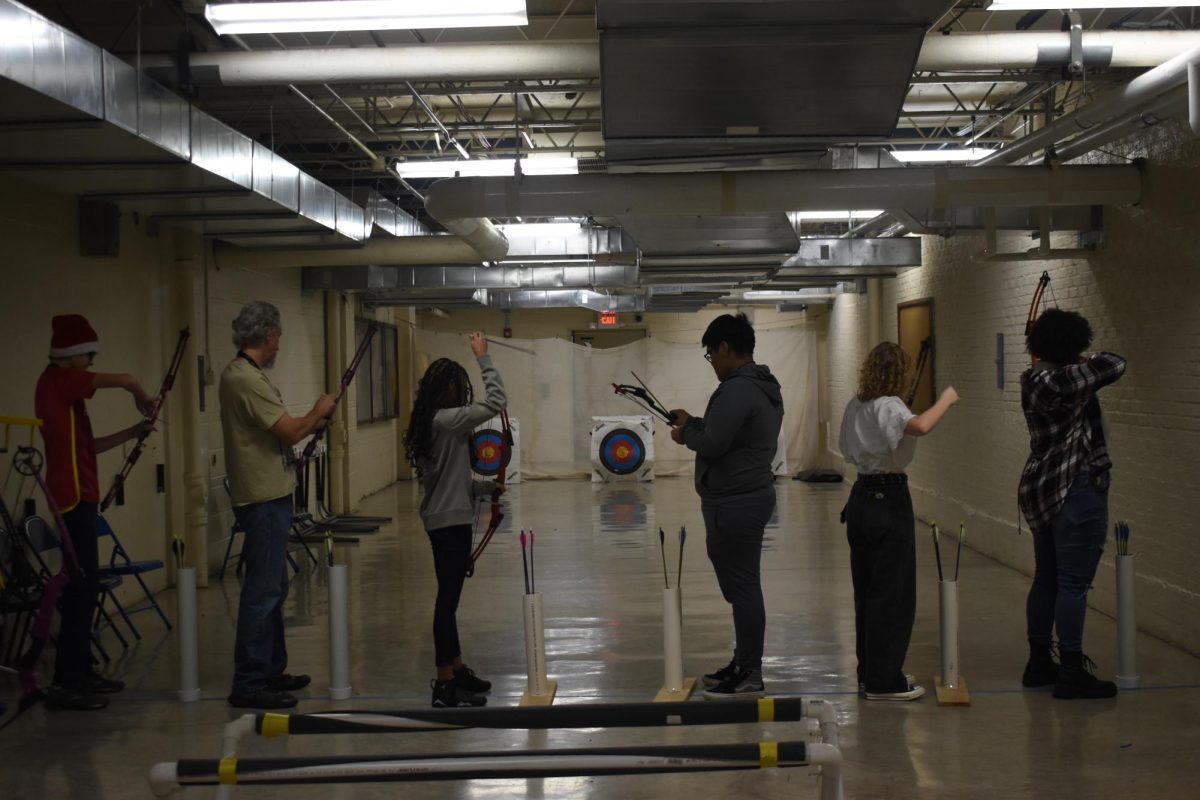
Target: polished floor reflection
(600,571)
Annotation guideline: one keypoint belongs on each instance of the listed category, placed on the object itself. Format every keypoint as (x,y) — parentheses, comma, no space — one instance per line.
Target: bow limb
(160,400)
(1035,306)
(310,449)
(497,510)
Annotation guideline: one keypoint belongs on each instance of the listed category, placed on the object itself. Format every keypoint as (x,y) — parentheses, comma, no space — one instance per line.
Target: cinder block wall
(1141,292)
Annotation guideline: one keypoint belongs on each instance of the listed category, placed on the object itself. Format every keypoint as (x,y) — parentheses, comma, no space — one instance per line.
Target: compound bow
(497,510)
(160,400)
(644,398)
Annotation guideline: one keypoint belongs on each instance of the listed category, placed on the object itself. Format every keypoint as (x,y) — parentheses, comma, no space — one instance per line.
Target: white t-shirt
(872,437)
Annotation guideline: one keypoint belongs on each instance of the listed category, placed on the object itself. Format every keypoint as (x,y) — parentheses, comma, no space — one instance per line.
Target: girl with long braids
(437,444)
(878,438)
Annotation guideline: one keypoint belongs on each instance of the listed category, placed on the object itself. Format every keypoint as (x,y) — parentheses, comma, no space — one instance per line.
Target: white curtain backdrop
(558,388)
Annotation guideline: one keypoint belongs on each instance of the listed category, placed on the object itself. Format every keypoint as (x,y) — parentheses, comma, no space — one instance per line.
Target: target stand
(622,449)
(486,441)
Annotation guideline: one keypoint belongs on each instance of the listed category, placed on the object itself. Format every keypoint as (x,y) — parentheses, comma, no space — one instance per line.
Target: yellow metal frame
(21,422)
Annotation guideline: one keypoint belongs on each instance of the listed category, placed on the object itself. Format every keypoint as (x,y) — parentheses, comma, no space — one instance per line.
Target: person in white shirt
(878,439)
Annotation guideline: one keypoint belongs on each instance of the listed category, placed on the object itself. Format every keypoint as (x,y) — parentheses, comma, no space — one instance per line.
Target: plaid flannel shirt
(1066,433)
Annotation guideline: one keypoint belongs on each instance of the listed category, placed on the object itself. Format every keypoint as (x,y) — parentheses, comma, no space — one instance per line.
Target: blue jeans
(259,652)
(1065,559)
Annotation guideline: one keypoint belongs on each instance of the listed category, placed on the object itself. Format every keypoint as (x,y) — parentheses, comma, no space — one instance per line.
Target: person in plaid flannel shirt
(1063,495)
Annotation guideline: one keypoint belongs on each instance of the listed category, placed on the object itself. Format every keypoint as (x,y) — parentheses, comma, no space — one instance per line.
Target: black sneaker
(288,683)
(466,678)
(1077,680)
(62,698)
(713,679)
(98,684)
(262,698)
(741,684)
(448,694)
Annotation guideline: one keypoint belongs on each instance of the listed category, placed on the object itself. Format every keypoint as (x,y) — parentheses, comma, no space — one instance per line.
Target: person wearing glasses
(735,442)
(74,484)
(258,434)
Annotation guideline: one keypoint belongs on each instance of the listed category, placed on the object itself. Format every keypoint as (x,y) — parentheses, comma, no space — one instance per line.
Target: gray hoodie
(450,491)
(736,438)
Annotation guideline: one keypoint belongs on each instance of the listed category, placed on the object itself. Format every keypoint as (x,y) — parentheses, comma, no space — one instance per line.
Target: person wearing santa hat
(74,485)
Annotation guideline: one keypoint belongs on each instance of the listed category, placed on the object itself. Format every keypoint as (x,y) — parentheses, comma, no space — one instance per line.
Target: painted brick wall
(1141,292)
(126,299)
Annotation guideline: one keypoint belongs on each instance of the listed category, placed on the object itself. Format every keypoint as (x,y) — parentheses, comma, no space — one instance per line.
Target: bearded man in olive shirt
(259,434)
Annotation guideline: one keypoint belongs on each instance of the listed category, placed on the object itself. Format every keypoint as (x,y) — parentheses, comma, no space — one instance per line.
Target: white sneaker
(914,692)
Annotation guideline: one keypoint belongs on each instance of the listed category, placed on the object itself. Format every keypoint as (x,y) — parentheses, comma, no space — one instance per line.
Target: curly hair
(432,395)
(885,372)
(256,319)
(1059,337)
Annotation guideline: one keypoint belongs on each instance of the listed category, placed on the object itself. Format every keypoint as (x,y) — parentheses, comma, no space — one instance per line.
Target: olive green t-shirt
(255,460)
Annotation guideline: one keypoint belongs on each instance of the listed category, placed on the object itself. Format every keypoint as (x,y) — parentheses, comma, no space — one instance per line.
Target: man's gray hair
(256,319)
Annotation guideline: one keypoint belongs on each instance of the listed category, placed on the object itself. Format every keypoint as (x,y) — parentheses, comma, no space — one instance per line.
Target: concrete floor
(599,569)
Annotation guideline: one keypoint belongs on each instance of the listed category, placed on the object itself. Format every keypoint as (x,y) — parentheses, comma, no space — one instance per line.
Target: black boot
(1041,669)
(1077,679)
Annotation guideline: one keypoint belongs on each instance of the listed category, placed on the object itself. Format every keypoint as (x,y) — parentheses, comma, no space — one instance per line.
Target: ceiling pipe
(488,242)
(1138,96)
(801,190)
(574,60)
(383,251)
(1133,96)
(1172,105)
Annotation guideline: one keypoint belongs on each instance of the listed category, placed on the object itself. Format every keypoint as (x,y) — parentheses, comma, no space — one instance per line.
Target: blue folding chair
(43,542)
(120,565)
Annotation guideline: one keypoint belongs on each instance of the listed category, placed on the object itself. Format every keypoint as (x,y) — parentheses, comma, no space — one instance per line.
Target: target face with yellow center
(487,450)
(622,452)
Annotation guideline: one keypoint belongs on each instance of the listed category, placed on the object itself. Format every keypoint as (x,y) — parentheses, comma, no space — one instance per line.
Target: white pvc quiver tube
(535,646)
(1127,677)
(948,605)
(339,637)
(672,640)
(189,670)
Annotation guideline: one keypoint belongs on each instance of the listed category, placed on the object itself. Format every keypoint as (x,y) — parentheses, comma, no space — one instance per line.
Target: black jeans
(77,605)
(451,557)
(734,536)
(883,565)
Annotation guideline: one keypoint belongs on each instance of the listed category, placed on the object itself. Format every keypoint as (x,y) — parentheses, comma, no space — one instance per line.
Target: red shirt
(67,431)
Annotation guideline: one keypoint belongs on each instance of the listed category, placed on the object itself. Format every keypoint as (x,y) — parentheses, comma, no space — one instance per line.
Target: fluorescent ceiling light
(362,15)
(541,229)
(835,215)
(941,156)
(487,167)
(1077,5)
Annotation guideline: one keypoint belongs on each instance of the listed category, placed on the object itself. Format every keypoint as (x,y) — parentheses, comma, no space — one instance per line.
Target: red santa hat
(72,335)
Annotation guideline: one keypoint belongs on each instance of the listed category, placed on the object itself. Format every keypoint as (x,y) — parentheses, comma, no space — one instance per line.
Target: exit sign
(608,319)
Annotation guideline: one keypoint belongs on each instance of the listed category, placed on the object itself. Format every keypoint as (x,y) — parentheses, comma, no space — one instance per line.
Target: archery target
(622,449)
(779,464)
(486,446)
